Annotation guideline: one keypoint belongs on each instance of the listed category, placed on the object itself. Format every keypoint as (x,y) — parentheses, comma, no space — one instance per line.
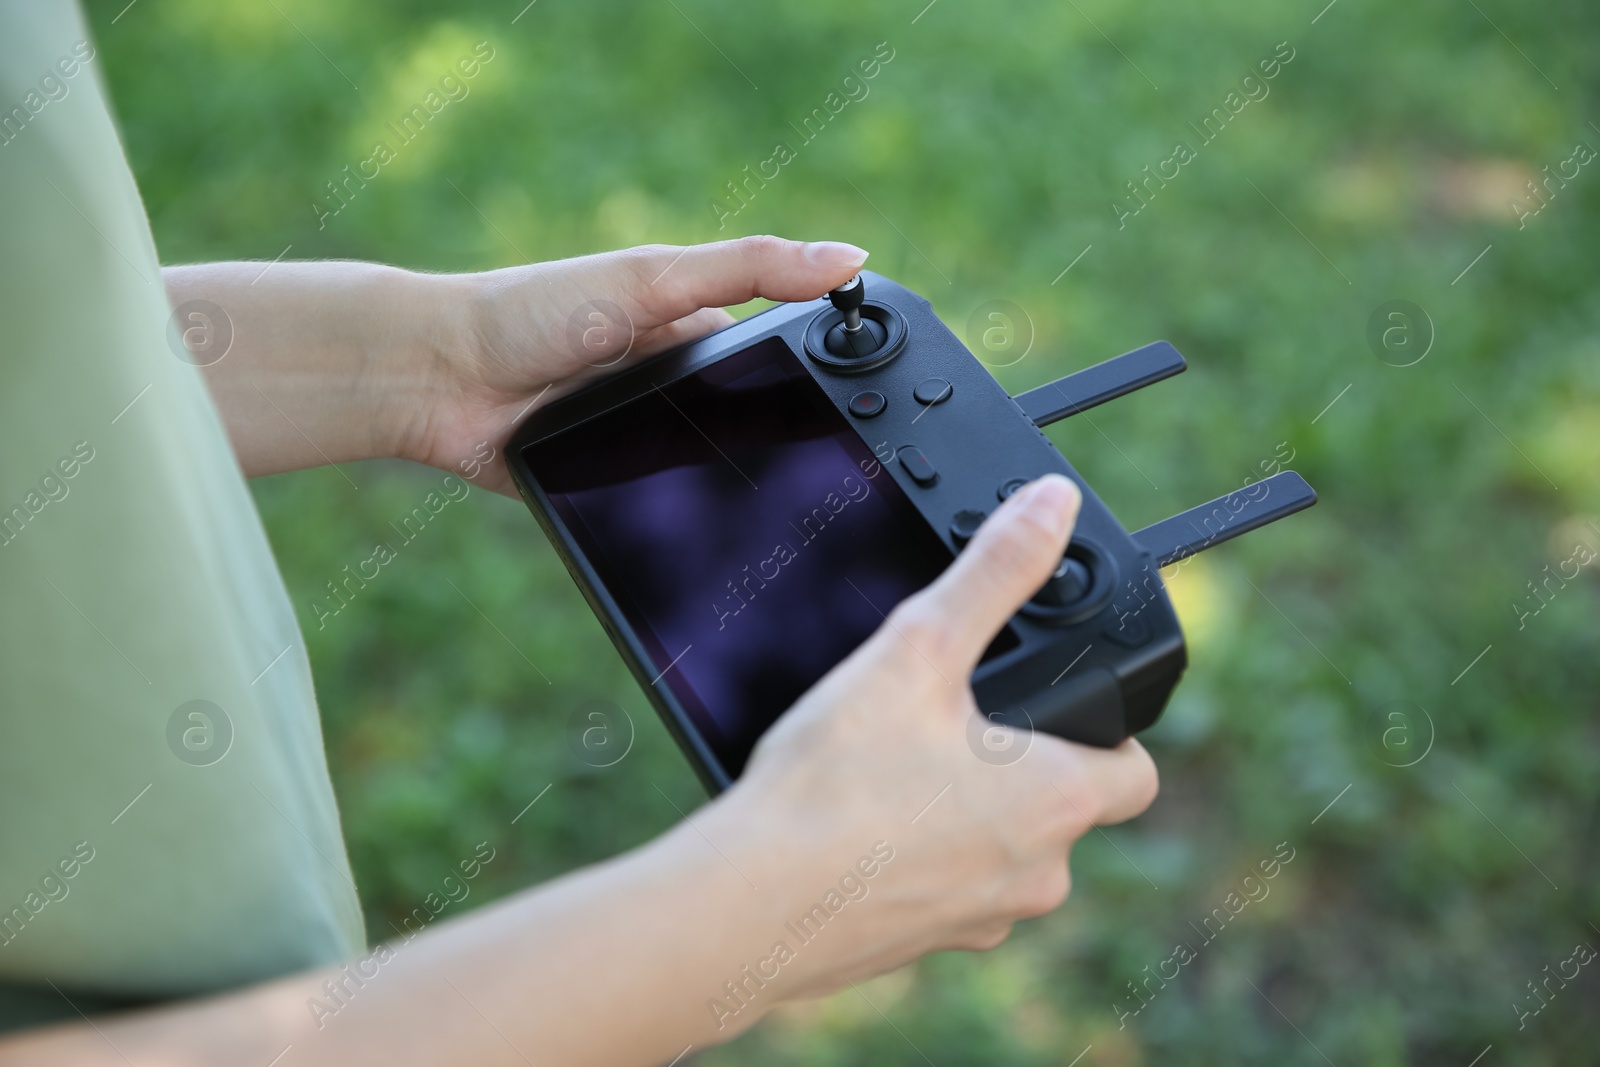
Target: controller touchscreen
(746,532)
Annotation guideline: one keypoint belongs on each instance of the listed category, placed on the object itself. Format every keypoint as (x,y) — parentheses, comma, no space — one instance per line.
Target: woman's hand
(889,748)
(865,832)
(544,330)
(330,362)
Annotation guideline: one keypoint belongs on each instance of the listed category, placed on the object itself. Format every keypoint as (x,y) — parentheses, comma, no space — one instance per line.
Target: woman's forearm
(613,965)
(317,363)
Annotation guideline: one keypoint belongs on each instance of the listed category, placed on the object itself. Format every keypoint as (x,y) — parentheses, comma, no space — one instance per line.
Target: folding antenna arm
(1226,517)
(1092,387)
(1197,529)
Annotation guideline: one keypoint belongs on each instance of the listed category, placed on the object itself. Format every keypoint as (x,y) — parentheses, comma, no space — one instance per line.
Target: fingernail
(835,254)
(1053,500)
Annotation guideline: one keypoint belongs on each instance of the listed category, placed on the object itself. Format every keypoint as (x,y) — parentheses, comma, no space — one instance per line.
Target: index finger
(672,281)
(1103,786)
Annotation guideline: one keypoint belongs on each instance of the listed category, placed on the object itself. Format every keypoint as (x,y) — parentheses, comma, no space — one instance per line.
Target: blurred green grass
(984,159)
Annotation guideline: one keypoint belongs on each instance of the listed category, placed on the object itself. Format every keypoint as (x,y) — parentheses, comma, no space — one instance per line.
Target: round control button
(1009,486)
(965,525)
(868,404)
(933,391)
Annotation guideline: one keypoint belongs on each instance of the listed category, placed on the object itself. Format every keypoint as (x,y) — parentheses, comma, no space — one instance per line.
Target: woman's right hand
(887,748)
(867,830)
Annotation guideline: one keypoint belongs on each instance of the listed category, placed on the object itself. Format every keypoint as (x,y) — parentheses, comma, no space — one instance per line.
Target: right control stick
(1069,584)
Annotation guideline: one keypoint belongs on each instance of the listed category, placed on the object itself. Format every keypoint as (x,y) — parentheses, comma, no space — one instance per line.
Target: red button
(917,465)
(868,404)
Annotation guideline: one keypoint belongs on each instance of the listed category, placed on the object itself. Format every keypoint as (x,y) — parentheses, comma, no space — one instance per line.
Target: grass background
(984,160)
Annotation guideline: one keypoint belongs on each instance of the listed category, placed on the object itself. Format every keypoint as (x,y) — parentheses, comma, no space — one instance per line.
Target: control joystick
(1069,584)
(856,337)
(1080,586)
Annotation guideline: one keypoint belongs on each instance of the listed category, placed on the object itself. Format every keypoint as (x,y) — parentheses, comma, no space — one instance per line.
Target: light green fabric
(136,577)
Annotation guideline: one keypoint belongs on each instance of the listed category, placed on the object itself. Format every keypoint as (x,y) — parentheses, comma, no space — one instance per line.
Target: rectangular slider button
(917,465)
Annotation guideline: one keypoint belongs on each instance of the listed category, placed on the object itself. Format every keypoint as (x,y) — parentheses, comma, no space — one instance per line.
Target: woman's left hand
(330,362)
(544,330)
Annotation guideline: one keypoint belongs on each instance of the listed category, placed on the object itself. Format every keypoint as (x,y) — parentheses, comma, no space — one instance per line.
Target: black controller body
(622,475)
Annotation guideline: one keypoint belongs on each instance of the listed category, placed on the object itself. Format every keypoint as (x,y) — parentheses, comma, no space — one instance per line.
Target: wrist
(708,907)
(426,356)
(805,928)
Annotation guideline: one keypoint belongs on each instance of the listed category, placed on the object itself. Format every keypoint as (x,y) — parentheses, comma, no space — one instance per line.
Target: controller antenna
(848,299)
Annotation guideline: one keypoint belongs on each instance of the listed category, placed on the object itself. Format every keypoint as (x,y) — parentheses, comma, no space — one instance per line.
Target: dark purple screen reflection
(745,530)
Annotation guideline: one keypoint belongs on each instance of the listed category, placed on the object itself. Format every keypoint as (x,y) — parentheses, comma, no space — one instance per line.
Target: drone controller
(743,511)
